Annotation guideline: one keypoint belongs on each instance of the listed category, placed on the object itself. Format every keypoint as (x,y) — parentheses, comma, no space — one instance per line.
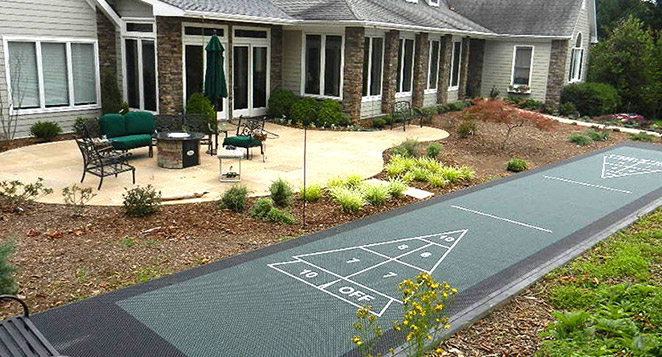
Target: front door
(250,79)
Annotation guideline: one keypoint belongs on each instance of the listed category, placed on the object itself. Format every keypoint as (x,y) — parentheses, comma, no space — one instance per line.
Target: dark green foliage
(388,119)
(80,122)
(141,201)
(280,103)
(281,193)
(407,148)
(592,99)
(199,104)
(567,109)
(433,150)
(280,216)
(458,106)
(378,123)
(579,139)
(531,104)
(466,128)
(124,108)
(234,199)
(330,113)
(111,98)
(514,99)
(611,12)
(597,135)
(45,130)
(647,138)
(304,111)
(262,207)
(7,279)
(517,165)
(494,92)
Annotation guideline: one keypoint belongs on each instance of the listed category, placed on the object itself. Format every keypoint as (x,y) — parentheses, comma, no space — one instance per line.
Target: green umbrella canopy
(215,85)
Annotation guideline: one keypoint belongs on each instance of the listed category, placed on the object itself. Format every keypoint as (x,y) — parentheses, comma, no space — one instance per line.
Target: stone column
(276,57)
(107,36)
(389,85)
(421,59)
(557,72)
(169,64)
(353,72)
(476,58)
(445,59)
(464,69)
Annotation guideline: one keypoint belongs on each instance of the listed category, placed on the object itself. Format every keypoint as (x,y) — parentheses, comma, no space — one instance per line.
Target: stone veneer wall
(107,37)
(353,72)
(476,59)
(556,74)
(169,64)
(276,57)
(389,85)
(444,68)
(421,59)
(464,69)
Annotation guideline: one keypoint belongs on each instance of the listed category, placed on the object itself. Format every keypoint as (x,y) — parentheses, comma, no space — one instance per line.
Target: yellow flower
(397,328)
(410,335)
(454,291)
(447,326)
(439,350)
(429,337)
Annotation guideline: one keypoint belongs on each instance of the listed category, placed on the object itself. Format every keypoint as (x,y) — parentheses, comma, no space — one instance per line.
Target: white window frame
(369,97)
(404,39)
(40,75)
(576,70)
(252,43)
(451,87)
(323,35)
(140,36)
(436,80)
(512,69)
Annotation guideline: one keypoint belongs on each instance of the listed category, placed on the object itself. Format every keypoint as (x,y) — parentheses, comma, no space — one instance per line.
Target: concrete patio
(330,153)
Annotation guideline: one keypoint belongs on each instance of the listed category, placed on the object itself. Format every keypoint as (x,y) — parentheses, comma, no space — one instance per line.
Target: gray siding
(584,28)
(292,66)
(371,109)
(133,8)
(430,99)
(497,70)
(452,96)
(48,19)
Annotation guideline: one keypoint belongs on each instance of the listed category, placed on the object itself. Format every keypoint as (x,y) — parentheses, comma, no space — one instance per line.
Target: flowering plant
(367,332)
(522,89)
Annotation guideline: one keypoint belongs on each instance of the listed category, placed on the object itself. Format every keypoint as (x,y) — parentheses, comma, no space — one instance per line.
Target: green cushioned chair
(246,128)
(131,131)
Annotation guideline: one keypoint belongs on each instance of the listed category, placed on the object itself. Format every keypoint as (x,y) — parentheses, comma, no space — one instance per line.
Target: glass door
(250,79)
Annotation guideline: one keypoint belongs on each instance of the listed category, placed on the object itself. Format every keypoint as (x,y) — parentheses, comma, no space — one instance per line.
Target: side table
(230,175)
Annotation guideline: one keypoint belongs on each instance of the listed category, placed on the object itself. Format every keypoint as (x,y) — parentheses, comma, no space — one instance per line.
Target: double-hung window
(456,63)
(405,66)
(322,63)
(373,66)
(576,60)
(522,65)
(52,75)
(433,65)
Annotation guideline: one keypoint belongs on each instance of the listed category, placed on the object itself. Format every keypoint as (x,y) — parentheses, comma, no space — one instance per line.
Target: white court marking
(587,184)
(502,219)
(615,165)
(426,241)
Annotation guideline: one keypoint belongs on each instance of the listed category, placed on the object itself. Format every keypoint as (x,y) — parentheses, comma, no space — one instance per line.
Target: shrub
(396,187)
(15,193)
(77,197)
(304,111)
(517,165)
(567,109)
(514,99)
(111,98)
(199,104)
(7,280)
(433,150)
(466,128)
(280,216)
(579,139)
(280,103)
(451,174)
(262,207)
(592,99)
(641,136)
(457,106)
(494,92)
(437,180)
(80,123)
(141,201)
(378,123)
(335,182)
(350,200)
(330,113)
(466,173)
(45,130)
(531,104)
(281,193)
(597,135)
(312,193)
(407,148)
(375,193)
(234,199)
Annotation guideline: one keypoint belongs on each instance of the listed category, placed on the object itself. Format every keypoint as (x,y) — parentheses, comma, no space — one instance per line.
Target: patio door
(250,79)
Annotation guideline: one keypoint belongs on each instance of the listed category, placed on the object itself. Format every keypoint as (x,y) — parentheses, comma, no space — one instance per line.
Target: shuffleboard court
(298,298)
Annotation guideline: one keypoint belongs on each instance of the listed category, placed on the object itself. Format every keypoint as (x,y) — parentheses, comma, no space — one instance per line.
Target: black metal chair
(100,160)
(247,128)
(199,124)
(169,122)
(402,110)
(19,337)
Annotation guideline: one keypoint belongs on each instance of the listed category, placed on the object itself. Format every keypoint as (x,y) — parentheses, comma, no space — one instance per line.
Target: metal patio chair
(402,110)
(102,161)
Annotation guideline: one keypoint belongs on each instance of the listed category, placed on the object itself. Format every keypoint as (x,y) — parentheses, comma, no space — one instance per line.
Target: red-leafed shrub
(500,112)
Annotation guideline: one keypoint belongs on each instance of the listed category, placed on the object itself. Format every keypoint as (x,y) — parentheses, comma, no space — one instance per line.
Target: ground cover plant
(311,193)
(425,169)
(579,139)
(517,165)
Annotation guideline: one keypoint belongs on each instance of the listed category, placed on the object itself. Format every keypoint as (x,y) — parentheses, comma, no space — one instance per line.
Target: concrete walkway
(329,154)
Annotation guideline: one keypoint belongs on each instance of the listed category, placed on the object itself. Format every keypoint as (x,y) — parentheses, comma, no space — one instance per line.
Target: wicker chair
(100,160)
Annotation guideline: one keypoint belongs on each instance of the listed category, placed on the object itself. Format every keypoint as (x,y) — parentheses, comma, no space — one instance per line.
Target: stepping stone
(418,194)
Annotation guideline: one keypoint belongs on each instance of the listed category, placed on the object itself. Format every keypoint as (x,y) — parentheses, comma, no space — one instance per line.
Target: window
(456,62)
(203,31)
(576,60)
(140,61)
(323,52)
(373,64)
(433,67)
(433,2)
(139,27)
(49,74)
(522,63)
(405,65)
(250,33)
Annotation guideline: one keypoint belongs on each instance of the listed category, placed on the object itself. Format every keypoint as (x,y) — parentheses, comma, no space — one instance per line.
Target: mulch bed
(65,257)
(18,143)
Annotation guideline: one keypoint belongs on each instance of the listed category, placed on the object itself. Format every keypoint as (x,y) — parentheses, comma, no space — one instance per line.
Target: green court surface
(298,298)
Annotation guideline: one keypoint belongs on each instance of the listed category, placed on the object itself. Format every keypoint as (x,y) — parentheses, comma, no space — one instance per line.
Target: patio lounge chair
(19,337)
(131,131)
(101,160)
(246,129)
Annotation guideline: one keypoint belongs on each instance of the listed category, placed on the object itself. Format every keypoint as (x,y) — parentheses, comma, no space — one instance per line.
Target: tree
(611,12)
(500,112)
(627,61)
(9,106)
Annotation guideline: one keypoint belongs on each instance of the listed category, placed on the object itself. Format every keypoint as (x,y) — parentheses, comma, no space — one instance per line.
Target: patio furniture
(178,150)
(402,110)
(230,175)
(131,131)
(100,159)
(198,123)
(169,122)
(248,130)
(19,337)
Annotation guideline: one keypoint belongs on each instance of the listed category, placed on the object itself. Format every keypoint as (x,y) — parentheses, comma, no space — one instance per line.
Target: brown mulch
(65,257)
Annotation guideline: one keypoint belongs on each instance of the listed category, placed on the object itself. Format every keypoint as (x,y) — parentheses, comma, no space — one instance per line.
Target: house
(368,54)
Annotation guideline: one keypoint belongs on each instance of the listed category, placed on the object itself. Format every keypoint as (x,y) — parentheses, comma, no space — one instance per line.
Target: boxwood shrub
(592,99)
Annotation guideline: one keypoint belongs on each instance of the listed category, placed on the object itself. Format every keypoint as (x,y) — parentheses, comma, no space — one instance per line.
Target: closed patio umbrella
(215,85)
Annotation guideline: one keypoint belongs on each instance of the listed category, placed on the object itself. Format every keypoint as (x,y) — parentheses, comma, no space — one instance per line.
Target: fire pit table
(178,150)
